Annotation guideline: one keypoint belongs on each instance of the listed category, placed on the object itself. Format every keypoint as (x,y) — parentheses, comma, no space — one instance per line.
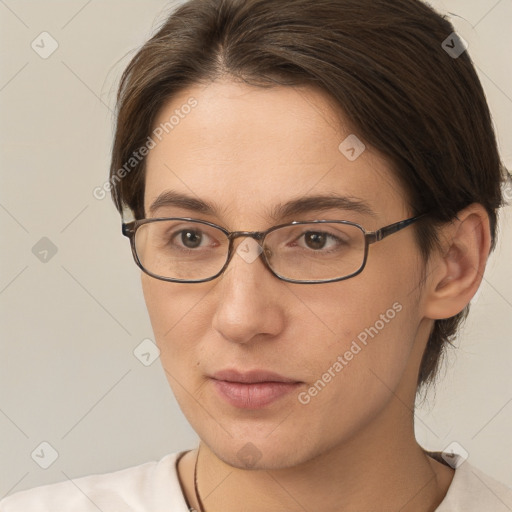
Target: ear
(455,272)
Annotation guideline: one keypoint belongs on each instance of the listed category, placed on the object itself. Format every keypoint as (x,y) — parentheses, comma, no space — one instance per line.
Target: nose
(249,297)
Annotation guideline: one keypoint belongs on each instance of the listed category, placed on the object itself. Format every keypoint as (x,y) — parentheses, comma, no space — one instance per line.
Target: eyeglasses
(186,250)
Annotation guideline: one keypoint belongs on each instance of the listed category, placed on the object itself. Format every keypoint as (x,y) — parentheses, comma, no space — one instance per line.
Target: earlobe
(457,270)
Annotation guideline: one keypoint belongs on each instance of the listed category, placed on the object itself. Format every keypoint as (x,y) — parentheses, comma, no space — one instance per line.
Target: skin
(352,447)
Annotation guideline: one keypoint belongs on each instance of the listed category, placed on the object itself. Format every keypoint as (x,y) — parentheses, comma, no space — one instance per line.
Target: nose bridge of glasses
(250,253)
(255,235)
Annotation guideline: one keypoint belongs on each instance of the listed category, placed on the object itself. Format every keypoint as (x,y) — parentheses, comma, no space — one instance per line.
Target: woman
(313,207)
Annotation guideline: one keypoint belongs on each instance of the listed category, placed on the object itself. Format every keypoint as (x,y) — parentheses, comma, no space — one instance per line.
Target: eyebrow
(280,211)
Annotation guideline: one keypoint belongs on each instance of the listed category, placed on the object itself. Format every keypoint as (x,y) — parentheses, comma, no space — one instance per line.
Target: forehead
(247,149)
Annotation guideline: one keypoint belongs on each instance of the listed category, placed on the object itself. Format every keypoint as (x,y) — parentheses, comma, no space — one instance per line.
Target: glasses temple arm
(378,235)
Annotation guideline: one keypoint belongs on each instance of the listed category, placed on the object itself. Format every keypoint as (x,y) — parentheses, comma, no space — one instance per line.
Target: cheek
(355,378)
(373,321)
(159,305)
(374,334)
(172,312)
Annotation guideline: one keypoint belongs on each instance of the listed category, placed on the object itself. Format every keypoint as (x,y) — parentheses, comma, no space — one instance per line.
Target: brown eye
(191,239)
(314,240)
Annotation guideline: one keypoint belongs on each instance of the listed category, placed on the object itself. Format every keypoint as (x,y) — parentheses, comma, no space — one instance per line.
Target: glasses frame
(130,228)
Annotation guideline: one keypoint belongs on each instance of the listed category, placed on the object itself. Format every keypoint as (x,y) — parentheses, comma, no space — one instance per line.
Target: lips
(253,389)
(250,377)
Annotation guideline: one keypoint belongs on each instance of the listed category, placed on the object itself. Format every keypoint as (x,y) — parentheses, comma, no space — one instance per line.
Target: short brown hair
(383,63)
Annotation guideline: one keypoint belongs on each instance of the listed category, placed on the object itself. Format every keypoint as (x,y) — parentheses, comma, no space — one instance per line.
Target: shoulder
(150,486)
(472,490)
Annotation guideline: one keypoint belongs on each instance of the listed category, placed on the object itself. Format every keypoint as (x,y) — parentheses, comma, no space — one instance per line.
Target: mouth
(253,389)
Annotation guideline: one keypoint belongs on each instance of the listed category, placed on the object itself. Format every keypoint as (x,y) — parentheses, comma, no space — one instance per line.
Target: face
(347,347)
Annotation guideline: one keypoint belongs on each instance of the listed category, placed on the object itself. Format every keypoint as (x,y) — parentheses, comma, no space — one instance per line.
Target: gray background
(70,323)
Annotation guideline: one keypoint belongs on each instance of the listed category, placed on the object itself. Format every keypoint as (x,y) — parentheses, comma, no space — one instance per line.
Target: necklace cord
(196,490)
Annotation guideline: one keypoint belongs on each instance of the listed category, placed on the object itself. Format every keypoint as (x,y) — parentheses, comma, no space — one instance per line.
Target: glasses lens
(181,249)
(315,251)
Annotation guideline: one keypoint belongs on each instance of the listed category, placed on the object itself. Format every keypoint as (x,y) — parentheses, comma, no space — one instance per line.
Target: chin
(261,453)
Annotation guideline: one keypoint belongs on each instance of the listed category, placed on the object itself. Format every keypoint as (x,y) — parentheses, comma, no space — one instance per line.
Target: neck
(372,472)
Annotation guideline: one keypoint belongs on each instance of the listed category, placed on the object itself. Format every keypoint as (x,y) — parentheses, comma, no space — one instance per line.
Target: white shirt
(154,487)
